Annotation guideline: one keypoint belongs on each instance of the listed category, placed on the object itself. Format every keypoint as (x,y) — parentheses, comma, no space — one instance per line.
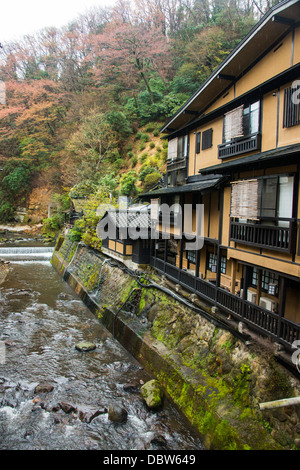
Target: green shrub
(82,190)
(6,211)
(143,158)
(151,179)
(128,184)
(144,171)
(138,136)
(52,225)
(134,161)
(145,137)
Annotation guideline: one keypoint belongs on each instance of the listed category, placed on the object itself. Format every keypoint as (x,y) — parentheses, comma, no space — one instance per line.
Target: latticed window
(191,256)
(223,264)
(212,262)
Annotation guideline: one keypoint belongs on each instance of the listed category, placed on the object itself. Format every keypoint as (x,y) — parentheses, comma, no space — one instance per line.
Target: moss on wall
(214,379)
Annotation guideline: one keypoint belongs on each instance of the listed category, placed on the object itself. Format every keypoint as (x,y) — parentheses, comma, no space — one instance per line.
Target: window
(291,106)
(212,262)
(191,256)
(244,199)
(268,278)
(178,147)
(254,278)
(270,197)
(223,264)
(269,281)
(207,139)
(241,122)
(182,147)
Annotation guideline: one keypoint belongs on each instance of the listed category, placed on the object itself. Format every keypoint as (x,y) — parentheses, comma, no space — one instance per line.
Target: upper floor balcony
(177,164)
(272,233)
(239,146)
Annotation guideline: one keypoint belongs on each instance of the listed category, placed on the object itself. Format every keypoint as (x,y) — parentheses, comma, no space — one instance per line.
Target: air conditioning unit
(268,304)
(251,296)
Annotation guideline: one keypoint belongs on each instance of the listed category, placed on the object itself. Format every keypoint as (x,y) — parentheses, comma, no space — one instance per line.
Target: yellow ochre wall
(273,133)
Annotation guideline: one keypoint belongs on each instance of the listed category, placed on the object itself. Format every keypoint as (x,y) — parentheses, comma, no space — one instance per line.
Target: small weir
(41,321)
(26,253)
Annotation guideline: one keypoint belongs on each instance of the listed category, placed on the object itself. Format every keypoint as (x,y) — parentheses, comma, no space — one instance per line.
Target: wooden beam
(223,76)
(282,20)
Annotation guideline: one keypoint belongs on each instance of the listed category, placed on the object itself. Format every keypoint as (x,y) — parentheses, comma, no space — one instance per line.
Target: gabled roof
(266,33)
(133,217)
(204,184)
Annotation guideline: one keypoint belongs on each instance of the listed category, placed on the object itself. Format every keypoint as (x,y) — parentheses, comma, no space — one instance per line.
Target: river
(41,320)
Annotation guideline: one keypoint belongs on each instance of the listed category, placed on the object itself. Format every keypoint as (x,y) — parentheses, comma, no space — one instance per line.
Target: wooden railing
(272,237)
(256,317)
(230,149)
(177,164)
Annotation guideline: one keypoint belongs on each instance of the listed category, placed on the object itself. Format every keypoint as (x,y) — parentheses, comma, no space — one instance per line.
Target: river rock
(117,414)
(43,387)
(85,346)
(152,394)
(66,407)
(87,414)
(131,388)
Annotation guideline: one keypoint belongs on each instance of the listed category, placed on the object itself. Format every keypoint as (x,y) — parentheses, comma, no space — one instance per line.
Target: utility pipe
(279,403)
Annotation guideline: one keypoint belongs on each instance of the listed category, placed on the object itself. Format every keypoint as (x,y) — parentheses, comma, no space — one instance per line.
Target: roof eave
(260,24)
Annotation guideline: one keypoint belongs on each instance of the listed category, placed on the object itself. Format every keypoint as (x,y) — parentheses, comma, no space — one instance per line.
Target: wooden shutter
(244,199)
(207,139)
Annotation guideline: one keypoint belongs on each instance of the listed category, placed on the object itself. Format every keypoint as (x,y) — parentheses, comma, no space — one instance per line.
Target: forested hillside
(84,103)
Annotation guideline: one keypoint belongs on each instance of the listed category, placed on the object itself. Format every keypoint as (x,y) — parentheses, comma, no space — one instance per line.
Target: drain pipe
(279,403)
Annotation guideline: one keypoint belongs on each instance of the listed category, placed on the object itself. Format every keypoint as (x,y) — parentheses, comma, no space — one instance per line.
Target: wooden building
(234,147)
(128,238)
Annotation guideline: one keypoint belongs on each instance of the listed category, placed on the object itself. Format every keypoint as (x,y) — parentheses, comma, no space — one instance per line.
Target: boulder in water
(85,346)
(43,387)
(152,394)
(117,414)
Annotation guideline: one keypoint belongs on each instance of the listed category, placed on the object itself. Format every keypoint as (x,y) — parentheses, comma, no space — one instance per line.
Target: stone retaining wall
(213,377)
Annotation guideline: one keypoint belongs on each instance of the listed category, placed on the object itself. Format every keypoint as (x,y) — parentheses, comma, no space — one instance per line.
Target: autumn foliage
(74,95)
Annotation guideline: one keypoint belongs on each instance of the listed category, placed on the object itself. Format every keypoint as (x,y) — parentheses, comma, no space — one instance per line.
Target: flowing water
(41,320)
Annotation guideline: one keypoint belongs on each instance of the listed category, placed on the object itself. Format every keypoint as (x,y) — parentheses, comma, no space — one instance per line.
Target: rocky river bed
(54,396)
